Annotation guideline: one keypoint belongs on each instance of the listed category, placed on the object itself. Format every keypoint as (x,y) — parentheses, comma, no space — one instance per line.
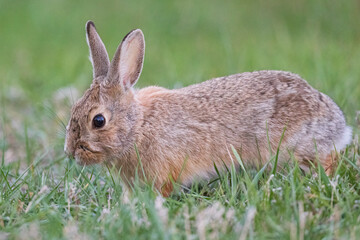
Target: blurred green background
(43,49)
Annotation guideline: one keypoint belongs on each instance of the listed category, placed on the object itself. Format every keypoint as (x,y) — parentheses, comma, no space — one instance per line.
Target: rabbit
(178,135)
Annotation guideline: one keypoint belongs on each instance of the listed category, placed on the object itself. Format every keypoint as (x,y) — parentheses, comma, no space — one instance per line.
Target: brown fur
(180,134)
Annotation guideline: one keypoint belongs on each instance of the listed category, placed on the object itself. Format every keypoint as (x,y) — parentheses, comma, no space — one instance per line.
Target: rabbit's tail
(345,139)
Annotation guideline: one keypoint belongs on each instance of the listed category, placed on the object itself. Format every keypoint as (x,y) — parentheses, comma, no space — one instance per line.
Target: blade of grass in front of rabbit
(260,173)
(258,149)
(140,163)
(247,177)
(112,179)
(339,165)
(239,160)
(268,139)
(218,174)
(177,180)
(323,177)
(233,181)
(278,151)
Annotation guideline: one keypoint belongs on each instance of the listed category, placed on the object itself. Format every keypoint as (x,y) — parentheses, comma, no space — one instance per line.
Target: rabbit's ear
(98,54)
(128,60)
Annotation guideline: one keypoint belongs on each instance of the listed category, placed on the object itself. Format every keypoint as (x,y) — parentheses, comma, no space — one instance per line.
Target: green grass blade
(277,152)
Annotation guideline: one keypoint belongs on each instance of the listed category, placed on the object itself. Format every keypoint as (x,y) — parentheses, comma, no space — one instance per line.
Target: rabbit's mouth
(85,148)
(85,155)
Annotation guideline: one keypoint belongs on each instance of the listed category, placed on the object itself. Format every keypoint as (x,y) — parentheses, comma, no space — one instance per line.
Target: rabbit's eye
(99,121)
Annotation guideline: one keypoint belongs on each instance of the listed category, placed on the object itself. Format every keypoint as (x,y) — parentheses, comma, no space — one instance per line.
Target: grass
(92,203)
(44,68)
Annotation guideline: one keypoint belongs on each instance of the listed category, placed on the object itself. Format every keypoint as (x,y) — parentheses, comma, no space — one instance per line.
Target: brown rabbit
(180,134)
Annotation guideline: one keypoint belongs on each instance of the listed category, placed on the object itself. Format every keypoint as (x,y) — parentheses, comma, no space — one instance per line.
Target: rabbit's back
(253,100)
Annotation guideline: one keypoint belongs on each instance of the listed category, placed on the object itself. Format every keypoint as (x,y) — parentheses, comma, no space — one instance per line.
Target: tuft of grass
(44,67)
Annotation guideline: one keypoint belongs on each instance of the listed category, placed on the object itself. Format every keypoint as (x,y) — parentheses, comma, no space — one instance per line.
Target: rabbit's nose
(67,152)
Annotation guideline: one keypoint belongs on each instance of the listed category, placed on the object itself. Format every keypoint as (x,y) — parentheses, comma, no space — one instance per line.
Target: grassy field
(44,67)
